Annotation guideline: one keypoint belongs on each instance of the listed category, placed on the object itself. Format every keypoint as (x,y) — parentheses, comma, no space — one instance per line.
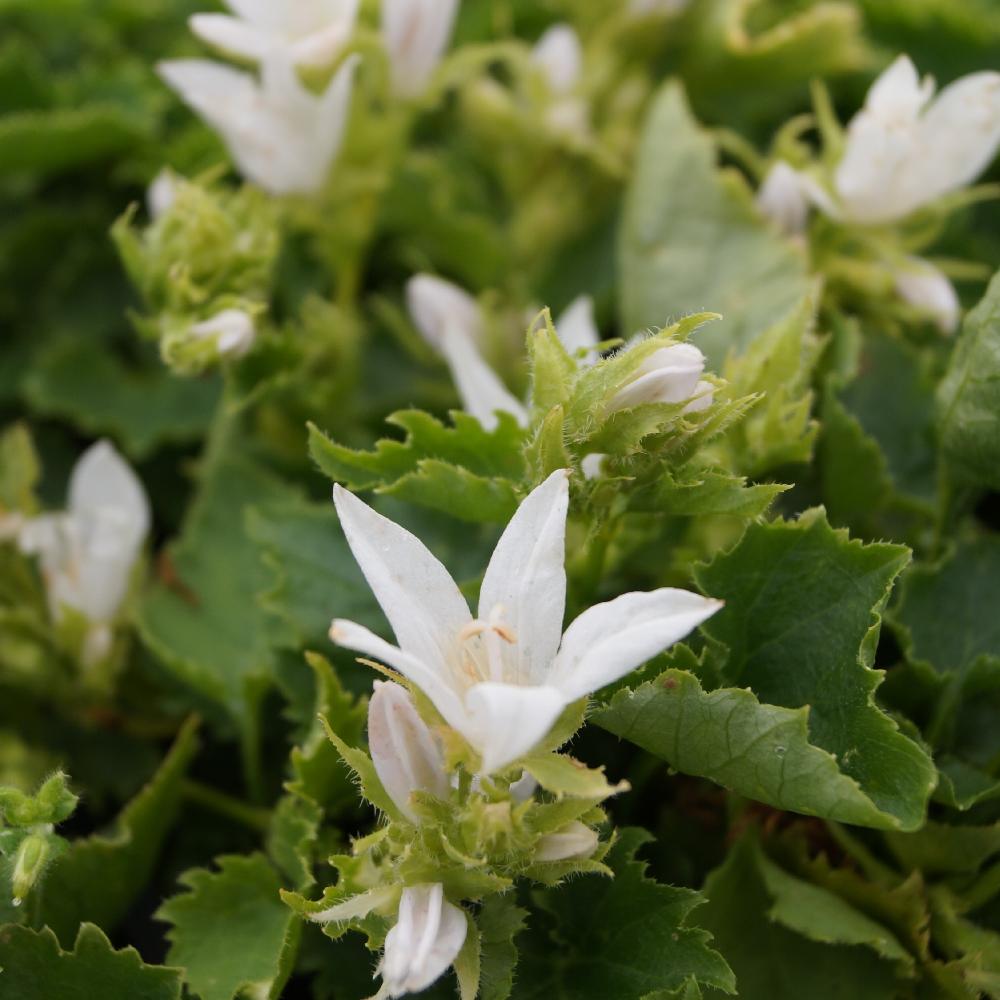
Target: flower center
(481,643)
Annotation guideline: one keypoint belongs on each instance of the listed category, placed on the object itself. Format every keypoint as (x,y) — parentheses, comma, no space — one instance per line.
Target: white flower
(783,199)
(922,285)
(669,375)
(503,678)
(282,136)
(87,553)
(405,754)
(576,840)
(426,938)
(161,193)
(559,55)
(592,465)
(232,329)
(904,150)
(415,34)
(312,32)
(451,321)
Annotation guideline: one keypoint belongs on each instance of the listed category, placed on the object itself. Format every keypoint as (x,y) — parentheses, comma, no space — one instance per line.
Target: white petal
(702,398)
(669,375)
(560,57)
(479,387)
(334,109)
(436,304)
(102,480)
(161,193)
(958,136)
(576,840)
(592,465)
(425,940)
(577,330)
(781,199)
(231,35)
(407,758)
(417,594)
(233,330)
(898,93)
(507,720)
(415,34)
(430,678)
(525,582)
(610,640)
(923,286)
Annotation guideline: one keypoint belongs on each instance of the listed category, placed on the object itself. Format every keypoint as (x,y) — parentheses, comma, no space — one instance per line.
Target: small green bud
(32,857)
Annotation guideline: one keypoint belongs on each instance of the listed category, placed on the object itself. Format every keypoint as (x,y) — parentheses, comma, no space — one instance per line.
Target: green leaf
(691,239)
(802,618)
(35,968)
(500,921)
(462,470)
(562,775)
(47,142)
(98,877)
(314,577)
(940,848)
(760,751)
(204,623)
(87,385)
(230,932)
(772,961)
(822,916)
(625,937)
(969,396)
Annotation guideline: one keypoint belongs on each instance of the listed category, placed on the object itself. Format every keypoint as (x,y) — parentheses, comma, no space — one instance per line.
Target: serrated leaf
(822,916)
(940,848)
(969,396)
(802,617)
(35,968)
(626,937)
(204,621)
(500,920)
(85,384)
(691,239)
(706,493)
(98,877)
(770,960)
(230,932)
(463,470)
(760,751)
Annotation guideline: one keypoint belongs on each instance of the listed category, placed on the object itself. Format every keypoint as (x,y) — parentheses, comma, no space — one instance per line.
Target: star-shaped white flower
(87,552)
(502,679)
(282,136)
(904,150)
(312,32)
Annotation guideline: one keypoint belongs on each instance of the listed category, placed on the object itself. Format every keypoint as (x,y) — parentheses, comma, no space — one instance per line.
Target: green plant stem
(254,817)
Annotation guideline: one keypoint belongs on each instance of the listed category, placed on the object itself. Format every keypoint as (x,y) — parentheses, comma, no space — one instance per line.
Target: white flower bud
(781,199)
(559,56)
(404,751)
(161,193)
(923,286)
(669,375)
(426,938)
(573,841)
(232,329)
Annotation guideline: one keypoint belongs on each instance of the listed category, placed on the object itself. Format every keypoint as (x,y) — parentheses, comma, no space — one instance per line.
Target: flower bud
(782,199)
(923,286)
(415,34)
(669,375)
(404,751)
(33,855)
(232,330)
(435,304)
(426,938)
(559,56)
(573,841)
